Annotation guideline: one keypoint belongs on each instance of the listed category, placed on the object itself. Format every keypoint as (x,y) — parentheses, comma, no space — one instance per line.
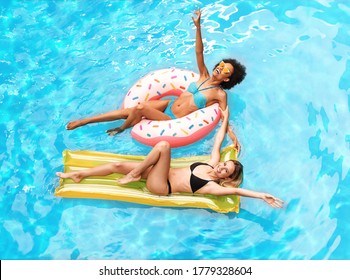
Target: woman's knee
(163,145)
(116,166)
(137,110)
(141,107)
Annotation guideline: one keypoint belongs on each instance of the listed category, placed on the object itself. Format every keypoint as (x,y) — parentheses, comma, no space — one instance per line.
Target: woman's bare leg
(157,179)
(152,110)
(131,115)
(103,170)
(155,168)
(106,117)
(159,159)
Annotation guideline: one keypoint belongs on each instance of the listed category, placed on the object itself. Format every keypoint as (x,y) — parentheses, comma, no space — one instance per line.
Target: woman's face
(223,70)
(224,169)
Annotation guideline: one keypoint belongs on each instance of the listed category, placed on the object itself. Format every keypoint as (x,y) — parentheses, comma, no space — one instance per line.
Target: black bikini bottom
(169,187)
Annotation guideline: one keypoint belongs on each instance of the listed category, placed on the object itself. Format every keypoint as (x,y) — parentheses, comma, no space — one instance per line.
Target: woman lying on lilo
(214,177)
(207,91)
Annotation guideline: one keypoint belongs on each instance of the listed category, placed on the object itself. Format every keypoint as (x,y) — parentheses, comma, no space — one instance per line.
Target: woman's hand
(197,21)
(273,201)
(234,139)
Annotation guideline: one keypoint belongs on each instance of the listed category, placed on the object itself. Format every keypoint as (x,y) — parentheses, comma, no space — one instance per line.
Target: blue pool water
(63,60)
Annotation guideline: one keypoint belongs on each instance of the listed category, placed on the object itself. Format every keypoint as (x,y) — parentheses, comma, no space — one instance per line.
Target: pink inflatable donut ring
(178,132)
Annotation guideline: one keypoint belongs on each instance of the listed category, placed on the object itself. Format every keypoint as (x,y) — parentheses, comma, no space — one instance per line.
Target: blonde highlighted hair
(236,177)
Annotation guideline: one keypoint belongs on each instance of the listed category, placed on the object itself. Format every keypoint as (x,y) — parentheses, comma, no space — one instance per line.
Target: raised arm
(223,104)
(203,71)
(215,153)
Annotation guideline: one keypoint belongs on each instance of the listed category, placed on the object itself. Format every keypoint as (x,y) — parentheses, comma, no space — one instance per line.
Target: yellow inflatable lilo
(106,187)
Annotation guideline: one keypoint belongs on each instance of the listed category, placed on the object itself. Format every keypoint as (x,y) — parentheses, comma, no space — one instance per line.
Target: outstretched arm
(215,189)
(268,198)
(203,71)
(215,153)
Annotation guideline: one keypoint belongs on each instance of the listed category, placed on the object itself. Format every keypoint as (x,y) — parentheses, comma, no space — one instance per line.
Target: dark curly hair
(237,76)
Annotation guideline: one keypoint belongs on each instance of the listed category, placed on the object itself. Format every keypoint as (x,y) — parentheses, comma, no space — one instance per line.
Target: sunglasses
(225,70)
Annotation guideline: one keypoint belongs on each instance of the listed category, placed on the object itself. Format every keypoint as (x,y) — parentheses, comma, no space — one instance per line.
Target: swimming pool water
(60,61)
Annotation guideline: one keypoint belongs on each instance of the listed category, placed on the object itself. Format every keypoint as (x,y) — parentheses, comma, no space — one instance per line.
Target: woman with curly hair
(209,89)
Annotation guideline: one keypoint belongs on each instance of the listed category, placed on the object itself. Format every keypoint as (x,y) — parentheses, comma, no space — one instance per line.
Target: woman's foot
(114,131)
(128,178)
(75,176)
(75,124)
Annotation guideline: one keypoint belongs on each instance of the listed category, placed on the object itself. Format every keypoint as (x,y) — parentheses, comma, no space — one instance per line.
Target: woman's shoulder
(222,92)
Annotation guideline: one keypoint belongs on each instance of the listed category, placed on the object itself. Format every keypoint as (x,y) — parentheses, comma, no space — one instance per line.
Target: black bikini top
(195,182)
